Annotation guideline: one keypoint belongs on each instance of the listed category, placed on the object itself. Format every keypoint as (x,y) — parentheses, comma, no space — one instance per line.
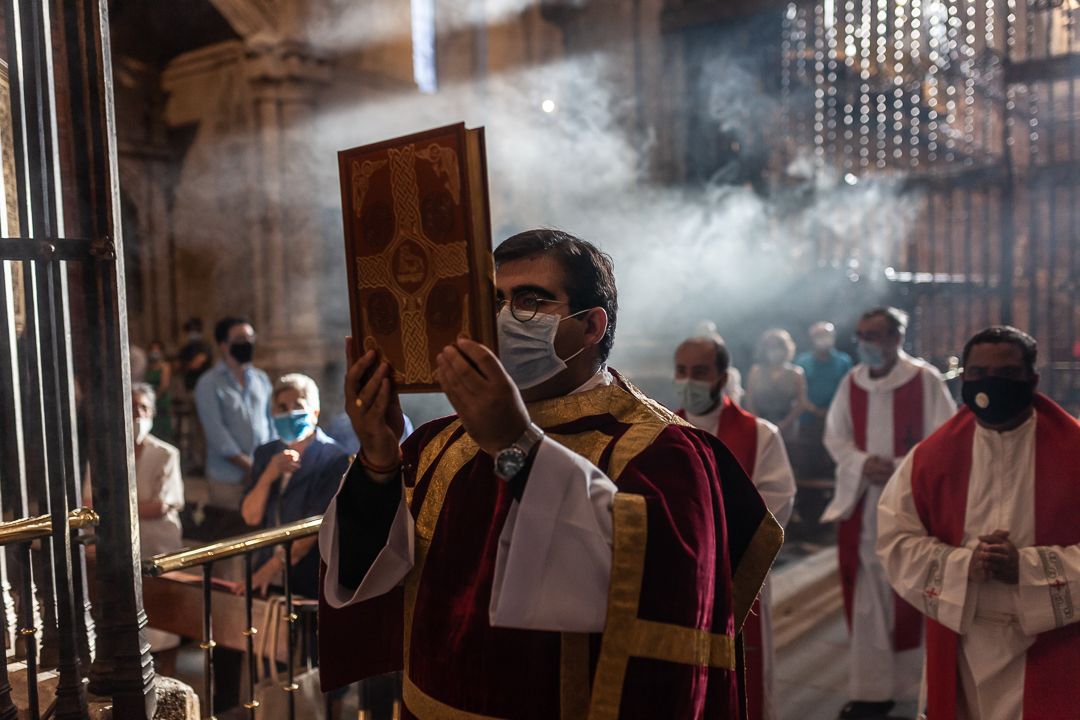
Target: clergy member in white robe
(979,530)
(702,376)
(885,405)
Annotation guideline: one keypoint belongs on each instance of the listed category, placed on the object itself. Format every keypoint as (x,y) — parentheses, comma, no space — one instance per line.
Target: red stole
(940,475)
(738,430)
(908,429)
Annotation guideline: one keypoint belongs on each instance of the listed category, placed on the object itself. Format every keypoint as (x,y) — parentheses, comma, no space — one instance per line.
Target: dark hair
(193,324)
(997,334)
(225,324)
(896,318)
(723,357)
(590,274)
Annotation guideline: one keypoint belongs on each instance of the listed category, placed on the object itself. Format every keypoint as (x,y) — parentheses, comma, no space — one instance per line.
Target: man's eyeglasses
(525,305)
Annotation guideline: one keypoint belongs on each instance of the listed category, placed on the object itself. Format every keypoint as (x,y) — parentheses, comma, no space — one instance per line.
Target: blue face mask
(293,426)
(871,355)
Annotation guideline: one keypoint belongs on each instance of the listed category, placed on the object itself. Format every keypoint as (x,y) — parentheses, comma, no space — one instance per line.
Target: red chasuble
(908,421)
(692,544)
(940,474)
(738,430)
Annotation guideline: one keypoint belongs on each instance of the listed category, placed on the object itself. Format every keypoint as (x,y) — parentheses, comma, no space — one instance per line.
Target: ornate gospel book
(418,248)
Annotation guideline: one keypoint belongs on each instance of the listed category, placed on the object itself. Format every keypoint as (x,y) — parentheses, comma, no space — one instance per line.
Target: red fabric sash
(908,429)
(738,430)
(939,484)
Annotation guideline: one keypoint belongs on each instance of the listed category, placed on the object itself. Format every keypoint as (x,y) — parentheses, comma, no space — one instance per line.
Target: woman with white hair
(296,476)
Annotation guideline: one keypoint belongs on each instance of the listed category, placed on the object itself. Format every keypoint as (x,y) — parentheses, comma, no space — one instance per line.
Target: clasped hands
(995,558)
(483,395)
(878,470)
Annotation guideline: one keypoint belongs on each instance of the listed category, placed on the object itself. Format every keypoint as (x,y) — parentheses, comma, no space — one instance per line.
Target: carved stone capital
(284,68)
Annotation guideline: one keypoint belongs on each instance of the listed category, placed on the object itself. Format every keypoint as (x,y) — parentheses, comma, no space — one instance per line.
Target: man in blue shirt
(233,402)
(825,367)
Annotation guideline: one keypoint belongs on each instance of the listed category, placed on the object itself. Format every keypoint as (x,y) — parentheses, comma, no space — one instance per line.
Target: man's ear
(1035,381)
(596,321)
(724,376)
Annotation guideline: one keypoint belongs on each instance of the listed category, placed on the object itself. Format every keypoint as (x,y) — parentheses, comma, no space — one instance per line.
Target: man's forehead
(537,270)
(241,329)
(696,352)
(995,354)
(875,322)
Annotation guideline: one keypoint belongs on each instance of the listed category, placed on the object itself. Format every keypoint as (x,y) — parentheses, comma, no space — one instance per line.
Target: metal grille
(62,317)
(970,107)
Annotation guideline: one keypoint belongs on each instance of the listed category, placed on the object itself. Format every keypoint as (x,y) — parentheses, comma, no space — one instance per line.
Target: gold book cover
(418,248)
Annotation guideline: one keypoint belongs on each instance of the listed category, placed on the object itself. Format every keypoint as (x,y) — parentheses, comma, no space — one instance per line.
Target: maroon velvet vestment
(940,475)
(908,421)
(738,430)
(692,544)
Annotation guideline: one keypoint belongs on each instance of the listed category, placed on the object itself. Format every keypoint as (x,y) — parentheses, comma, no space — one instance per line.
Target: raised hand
(484,396)
(286,461)
(374,408)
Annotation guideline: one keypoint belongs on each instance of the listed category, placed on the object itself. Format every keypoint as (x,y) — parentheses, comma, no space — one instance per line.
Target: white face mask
(694,396)
(527,349)
(823,342)
(142,429)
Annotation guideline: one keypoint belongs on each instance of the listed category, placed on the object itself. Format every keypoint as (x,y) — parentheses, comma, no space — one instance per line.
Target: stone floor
(812,675)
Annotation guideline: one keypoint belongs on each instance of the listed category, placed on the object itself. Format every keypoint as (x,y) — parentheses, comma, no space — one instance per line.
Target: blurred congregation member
(160,496)
(776,387)
(885,405)
(824,367)
(159,377)
(195,354)
(295,476)
(702,365)
(233,403)
(979,529)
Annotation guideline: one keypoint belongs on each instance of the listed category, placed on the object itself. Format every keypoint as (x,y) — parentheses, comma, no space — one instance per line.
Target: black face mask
(996,400)
(242,351)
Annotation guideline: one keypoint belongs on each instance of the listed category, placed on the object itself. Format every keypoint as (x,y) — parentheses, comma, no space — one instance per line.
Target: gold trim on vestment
(753,566)
(425,707)
(627,571)
(457,455)
(574,676)
(429,454)
(684,645)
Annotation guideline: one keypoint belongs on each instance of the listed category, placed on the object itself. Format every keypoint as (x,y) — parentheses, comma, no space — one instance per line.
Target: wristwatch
(509,461)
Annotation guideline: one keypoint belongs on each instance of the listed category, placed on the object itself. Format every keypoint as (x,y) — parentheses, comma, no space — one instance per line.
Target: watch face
(509,462)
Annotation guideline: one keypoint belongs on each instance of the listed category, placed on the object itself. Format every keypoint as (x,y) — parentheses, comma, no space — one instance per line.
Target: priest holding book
(562,547)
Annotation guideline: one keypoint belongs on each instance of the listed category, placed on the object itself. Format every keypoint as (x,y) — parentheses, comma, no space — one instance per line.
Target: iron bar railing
(245,545)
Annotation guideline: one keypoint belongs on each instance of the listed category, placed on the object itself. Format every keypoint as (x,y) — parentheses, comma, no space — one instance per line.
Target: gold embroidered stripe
(754,566)
(425,707)
(684,645)
(453,460)
(627,570)
(574,676)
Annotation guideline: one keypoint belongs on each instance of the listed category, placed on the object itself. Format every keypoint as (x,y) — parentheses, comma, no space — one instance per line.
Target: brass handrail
(239,545)
(41,526)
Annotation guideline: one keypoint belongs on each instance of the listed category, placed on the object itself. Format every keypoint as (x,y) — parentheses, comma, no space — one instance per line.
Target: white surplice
(873,662)
(775,482)
(553,564)
(997,622)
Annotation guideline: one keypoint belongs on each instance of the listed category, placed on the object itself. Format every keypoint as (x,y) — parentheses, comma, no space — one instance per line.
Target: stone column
(284,78)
